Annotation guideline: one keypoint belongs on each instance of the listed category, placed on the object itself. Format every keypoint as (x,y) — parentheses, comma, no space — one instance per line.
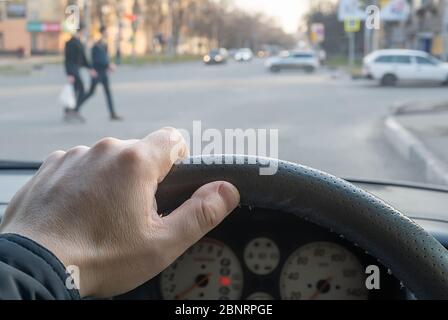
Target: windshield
(126,68)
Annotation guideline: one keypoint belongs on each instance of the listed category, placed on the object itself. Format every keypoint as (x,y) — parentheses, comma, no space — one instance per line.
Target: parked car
(216,56)
(302,60)
(244,55)
(391,66)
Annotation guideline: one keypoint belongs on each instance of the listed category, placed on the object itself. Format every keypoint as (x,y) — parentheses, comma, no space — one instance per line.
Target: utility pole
(374,35)
(351,26)
(171,49)
(120,13)
(87,19)
(351,50)
(135,23)
(444,4)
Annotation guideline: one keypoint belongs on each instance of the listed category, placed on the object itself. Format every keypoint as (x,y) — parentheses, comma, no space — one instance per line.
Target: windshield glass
(72,73)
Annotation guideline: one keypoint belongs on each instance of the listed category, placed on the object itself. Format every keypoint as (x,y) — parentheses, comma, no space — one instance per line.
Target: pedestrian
(75,59)
(102,65)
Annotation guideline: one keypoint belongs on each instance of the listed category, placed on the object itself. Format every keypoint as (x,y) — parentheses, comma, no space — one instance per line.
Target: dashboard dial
(322,271)
(207,271)
(262,256)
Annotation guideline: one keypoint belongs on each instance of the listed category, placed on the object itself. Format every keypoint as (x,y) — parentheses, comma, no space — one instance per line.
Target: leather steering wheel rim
(416,258)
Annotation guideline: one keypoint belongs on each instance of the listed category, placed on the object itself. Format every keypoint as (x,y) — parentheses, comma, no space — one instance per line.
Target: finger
(52,161)
(205,210)
(164,147)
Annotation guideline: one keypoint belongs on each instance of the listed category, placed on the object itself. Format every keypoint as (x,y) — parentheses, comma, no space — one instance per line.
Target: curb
(414,150)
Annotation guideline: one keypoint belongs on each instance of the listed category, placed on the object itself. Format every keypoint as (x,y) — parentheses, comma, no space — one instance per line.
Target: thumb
(205,210)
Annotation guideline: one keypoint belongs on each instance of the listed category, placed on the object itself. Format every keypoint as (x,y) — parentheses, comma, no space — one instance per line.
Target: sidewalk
(11,65)
(419,133)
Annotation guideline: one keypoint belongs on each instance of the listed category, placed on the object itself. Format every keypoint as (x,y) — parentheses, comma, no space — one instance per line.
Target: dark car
(216,56)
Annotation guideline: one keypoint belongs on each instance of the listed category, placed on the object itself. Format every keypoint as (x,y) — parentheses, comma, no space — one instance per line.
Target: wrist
(33,258)
(66,255)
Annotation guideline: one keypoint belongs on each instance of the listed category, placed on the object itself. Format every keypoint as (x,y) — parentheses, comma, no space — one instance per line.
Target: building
(136,27)
(426,28)
(14,38)
(45,26)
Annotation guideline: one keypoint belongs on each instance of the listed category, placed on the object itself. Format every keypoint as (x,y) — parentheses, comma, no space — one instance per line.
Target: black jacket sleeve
(28,271)
(68,60)
(75,56)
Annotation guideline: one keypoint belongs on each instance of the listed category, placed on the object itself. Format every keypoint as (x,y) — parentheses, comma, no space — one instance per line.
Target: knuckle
(106,144)
(79,150)
(132,156)
(169,129)
(207,215)
(170,136)
(56,155)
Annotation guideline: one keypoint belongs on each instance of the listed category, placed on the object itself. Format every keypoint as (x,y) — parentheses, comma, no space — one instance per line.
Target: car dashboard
(259,254)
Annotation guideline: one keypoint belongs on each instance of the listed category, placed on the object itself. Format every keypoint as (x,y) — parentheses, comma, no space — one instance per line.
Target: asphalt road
(325,120)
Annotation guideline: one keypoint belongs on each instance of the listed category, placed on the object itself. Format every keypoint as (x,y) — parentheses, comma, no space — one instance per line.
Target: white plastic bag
(67,97)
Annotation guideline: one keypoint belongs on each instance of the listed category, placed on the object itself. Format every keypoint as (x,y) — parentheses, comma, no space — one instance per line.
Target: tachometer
(322,271)
(207,271)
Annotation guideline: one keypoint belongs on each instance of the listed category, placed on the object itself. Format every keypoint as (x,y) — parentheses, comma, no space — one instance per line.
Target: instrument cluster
(267,255)
(211,270)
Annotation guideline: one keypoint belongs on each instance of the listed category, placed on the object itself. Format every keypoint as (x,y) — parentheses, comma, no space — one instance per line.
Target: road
(325,120)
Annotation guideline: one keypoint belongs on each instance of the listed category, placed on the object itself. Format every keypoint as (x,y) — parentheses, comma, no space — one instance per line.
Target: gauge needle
(184,294)
(318,291)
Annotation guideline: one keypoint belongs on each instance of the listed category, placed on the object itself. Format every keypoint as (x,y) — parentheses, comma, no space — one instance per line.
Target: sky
(287,12)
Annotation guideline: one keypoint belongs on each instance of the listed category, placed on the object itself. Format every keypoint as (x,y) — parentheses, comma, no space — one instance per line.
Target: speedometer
(322,271)
(207,271)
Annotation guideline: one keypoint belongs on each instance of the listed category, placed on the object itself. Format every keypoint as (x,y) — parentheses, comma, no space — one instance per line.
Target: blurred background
(314,70)
(193,27)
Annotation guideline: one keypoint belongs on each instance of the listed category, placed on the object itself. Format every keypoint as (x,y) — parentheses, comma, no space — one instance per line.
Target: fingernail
(230,195)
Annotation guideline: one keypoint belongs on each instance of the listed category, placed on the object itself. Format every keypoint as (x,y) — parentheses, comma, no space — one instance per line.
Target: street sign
(351,9)
(352,25)
(317,32)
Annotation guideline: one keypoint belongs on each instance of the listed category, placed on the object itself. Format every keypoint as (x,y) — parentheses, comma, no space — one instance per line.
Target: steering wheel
(416,258)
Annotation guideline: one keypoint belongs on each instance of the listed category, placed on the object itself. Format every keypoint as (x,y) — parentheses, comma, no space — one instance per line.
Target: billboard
(391,10)
(395,10)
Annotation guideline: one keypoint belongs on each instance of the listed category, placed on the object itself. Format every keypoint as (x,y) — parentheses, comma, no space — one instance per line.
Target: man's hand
(95,208)
(112,67)
(93,73)
(71,79)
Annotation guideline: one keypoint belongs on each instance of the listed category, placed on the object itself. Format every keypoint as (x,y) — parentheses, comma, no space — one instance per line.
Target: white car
(243,55)
(400,65)
(303,60)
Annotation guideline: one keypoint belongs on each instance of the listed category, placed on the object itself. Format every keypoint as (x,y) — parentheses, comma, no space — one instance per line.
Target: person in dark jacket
(86,225)
(102,65)
(75,59)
